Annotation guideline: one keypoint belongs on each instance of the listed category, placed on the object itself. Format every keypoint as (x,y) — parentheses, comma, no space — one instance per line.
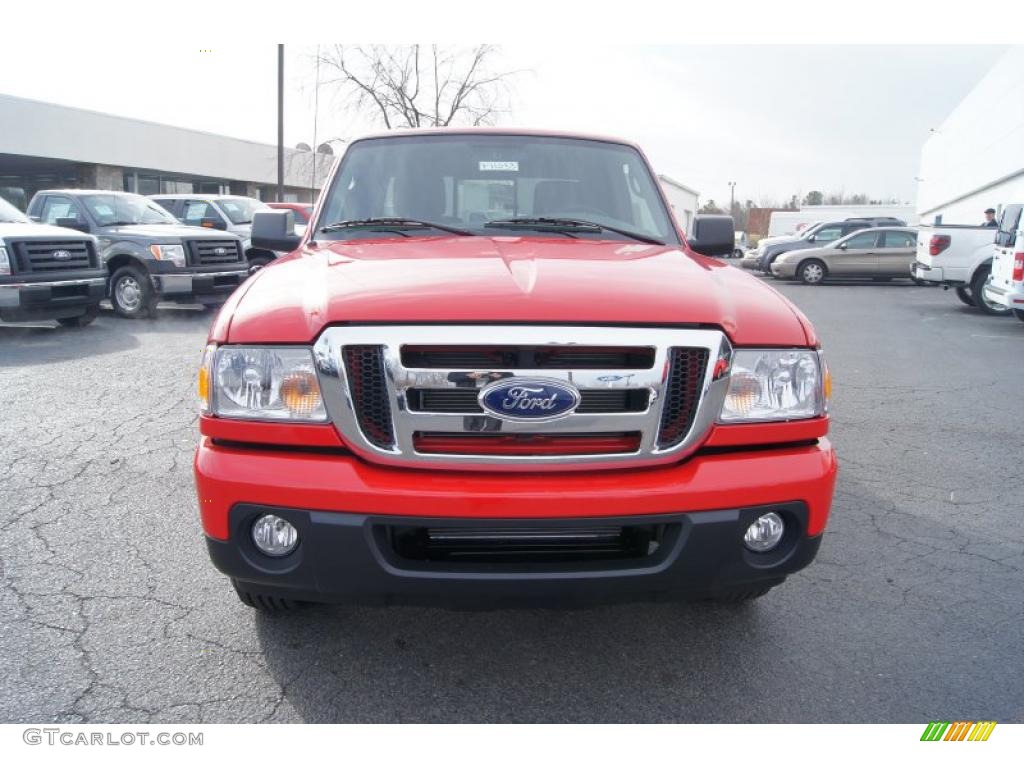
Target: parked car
(429,399)
(1005,285)
(303,212)
(880,253)
(958,256)
(229,213)
(149,254)
(814,237)
(47,273)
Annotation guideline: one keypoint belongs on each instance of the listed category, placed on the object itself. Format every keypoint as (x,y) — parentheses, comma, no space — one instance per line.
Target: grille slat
(465,400)
(504,356)
(212,252)
(38,255)
(364,366)
(687,367)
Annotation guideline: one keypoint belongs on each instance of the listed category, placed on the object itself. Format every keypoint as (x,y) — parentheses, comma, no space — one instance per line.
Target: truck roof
(495,131)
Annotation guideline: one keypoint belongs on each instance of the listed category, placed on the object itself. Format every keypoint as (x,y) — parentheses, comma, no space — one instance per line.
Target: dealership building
(47,146)
(975,159)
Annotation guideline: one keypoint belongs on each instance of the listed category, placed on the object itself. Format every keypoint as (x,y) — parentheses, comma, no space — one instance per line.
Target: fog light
(274,536)
(764,533)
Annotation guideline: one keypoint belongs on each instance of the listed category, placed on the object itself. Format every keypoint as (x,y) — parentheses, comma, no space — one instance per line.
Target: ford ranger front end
(495,371)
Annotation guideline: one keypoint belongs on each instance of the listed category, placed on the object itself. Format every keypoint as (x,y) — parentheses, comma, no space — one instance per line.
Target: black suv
(47,273)
(149,255)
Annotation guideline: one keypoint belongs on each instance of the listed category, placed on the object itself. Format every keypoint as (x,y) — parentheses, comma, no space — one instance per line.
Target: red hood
(503,279)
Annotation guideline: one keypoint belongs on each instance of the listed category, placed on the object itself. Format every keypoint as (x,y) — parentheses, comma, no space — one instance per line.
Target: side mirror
(713,235)
(70,222)
(274,231)
(212,223)
(843,246)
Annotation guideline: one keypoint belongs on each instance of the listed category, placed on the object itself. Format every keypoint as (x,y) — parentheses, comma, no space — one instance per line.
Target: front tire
(811,272)
(90,314)
(964,294)
(131,293)
(737,254)
(1019,314)
(978,292)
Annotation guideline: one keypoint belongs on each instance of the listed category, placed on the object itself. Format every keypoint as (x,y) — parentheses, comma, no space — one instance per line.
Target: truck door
(1005,251)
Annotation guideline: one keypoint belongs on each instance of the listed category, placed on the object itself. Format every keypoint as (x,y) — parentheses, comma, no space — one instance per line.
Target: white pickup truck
(1005,285)
(957,256)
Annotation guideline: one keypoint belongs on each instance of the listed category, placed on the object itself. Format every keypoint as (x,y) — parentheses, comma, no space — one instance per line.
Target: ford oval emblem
(61,255)
(522,399)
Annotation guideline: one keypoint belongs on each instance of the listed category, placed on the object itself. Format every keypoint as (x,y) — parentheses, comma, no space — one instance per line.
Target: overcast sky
(776,120)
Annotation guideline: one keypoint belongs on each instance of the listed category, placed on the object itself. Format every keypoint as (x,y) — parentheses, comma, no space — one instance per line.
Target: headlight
(5,264)
(263,383)
(776,385)
(172,253)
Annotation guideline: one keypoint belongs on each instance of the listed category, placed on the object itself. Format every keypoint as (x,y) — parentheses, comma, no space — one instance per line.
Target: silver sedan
(881,253)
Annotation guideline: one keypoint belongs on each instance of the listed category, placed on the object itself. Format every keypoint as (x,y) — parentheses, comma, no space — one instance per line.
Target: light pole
(732,196)
(280,123)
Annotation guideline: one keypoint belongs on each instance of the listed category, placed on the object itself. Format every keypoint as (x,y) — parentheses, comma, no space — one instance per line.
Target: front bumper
(783,269)
(341,505)
(53,299)
(200,283)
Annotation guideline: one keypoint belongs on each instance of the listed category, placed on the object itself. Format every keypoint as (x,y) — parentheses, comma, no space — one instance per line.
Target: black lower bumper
(354,558)
(50,300)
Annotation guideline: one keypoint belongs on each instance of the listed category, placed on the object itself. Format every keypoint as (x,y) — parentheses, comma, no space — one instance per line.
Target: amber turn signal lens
(300,392)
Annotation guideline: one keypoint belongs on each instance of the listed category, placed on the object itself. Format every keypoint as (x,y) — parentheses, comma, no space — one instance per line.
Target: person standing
(990,218)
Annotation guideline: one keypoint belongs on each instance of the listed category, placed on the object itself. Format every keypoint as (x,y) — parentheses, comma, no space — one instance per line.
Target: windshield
(479,182)
(125,208)
(11,215)
(241,209)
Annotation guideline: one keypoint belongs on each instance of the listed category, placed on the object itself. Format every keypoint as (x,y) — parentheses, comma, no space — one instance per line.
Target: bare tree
(412,86)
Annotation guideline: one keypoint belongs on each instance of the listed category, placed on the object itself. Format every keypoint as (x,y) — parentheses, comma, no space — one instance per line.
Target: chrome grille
(386,390)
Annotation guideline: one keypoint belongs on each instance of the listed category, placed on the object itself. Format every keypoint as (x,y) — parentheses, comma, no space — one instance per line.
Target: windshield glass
(11,215)
(126,208)
(468,181)
(241,209)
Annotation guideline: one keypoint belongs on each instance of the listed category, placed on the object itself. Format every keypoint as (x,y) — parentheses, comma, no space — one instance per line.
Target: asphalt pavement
(913,611)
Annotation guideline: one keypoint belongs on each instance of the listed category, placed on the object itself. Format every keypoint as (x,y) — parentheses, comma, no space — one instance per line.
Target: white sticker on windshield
(499,165)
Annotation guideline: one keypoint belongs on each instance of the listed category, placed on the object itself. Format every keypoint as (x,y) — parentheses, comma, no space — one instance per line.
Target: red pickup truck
(494,369)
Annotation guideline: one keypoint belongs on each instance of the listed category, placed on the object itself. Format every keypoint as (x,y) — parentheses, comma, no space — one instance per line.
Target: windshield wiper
(575,225)
(395,223)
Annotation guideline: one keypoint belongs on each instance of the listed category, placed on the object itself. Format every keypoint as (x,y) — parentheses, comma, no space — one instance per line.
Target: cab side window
(57,207)
(197,210)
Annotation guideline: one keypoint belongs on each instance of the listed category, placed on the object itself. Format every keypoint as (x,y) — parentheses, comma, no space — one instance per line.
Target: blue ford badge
(518,399)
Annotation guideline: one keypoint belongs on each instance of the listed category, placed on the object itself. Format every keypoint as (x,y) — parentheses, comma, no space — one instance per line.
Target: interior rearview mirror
(713,235)
(274,230)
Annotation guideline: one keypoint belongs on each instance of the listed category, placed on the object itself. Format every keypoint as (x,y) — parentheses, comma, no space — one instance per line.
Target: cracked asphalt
(912,612)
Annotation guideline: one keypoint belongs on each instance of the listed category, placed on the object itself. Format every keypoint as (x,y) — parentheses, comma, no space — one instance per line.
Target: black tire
(263,602)
(978,292)
(811,272)
(964,294)
(131,293)
(1019,314)
(741,595)
(737,254)
(90,314)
